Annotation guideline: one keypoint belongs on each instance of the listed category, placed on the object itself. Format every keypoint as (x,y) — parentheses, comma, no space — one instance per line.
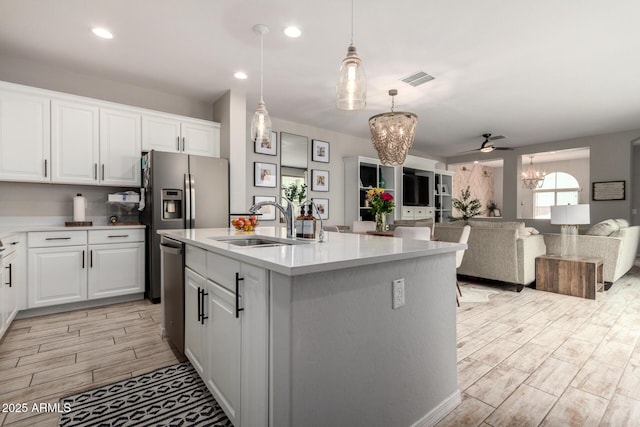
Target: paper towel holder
(82,223)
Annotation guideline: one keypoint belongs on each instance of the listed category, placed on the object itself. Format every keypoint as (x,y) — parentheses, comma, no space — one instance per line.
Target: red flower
(386,196)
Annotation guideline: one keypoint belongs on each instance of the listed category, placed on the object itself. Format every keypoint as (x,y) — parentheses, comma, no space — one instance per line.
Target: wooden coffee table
(575,276)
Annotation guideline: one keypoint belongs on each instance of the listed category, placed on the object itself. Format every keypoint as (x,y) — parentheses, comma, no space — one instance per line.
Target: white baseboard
(440,411)
(53,309)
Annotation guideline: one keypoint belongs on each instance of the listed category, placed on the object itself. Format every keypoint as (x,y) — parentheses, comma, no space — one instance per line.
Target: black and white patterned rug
(172,396)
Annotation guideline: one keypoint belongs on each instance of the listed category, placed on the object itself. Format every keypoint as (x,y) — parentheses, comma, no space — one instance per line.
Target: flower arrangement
(380,201)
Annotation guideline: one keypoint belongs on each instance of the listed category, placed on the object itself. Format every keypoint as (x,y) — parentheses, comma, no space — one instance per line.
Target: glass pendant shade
(392,134)
(261,125)
(351,91)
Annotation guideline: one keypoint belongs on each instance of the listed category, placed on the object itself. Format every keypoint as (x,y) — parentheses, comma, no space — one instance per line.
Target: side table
(575,276)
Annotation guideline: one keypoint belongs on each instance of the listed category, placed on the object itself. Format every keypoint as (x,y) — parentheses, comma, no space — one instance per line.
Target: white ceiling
(531,70)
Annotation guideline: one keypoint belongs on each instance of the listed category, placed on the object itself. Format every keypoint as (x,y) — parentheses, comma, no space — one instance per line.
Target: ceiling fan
(487,145)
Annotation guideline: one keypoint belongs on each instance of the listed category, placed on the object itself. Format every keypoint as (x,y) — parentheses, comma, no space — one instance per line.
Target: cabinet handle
(178,142)
(238,309)
(183,144)
(45,168)
(95,171)
(14,243)
(118,235)
(103,171)
(83,259)
(10,281)
(58,238)
(199,304)
(203,317)
(91,258)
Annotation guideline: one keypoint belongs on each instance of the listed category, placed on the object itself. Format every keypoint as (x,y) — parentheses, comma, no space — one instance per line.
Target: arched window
(558,188)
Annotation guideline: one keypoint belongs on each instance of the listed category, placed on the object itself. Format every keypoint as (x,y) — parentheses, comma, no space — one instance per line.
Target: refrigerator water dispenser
(171,204)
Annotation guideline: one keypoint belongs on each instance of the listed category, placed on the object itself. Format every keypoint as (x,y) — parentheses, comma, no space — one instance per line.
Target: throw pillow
(622,223)
(532,230)
(603,228)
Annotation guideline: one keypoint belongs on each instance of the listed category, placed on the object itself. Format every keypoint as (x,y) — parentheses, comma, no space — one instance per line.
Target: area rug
(172,396)
(472,294)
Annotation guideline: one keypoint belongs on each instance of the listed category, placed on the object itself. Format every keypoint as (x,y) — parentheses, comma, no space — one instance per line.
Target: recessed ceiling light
(475,162)
(102,32)
(240,75)
(293,31)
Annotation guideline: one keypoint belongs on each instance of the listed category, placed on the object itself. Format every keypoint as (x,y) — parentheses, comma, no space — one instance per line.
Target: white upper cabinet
(161,133)
(201,139)
(120,147)
(24,137)
(74,142)
(167,133)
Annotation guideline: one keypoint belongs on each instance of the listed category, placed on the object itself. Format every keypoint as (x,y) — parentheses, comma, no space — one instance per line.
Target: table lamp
(569,217)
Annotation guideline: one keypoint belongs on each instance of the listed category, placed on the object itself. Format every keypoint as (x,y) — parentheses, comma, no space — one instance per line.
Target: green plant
(293,192)
(492,206)
(468,208)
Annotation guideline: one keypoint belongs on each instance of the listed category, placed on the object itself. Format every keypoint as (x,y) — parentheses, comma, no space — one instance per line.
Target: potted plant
(491,208)
(468,208)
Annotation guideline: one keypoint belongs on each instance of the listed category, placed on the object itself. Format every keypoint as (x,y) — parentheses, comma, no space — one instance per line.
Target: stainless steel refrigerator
(181,191)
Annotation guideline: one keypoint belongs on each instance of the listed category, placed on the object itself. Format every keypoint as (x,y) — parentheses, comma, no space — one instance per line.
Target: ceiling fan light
(487,149)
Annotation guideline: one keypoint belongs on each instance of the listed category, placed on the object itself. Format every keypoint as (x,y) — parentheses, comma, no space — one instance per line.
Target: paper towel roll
(79,207)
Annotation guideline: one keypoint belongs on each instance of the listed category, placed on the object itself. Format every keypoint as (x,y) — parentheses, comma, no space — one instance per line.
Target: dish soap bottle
(309,224)
(300,221)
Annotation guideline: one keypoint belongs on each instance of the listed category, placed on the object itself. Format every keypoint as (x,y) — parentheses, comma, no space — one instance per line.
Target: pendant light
(351,90)
(532,179)
(261,122)
(392,134)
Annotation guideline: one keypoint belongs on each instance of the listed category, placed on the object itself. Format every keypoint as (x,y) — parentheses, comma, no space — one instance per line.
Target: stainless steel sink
(253,242)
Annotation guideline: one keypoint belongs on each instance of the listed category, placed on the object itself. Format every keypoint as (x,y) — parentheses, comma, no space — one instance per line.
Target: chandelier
(392,134)
(532,179)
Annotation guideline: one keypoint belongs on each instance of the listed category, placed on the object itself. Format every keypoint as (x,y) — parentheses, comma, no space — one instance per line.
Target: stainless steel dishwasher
(172,282)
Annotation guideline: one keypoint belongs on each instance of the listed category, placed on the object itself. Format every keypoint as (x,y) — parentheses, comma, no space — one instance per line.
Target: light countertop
(339,250)
(11,225)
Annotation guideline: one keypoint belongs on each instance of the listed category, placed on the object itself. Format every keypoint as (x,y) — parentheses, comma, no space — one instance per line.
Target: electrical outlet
(398,293)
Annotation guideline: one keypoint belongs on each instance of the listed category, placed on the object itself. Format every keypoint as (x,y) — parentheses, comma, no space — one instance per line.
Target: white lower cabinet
(116,269)
(222,375)
(64,267)
(227,335)
(8,292)
(57,275)
(194,325)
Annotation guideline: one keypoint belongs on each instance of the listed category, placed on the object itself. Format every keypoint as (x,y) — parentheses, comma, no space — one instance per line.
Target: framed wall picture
(319,151)
(264,174)
(319,180)
(268,211)
(267,147)
(323,208)
(608,190)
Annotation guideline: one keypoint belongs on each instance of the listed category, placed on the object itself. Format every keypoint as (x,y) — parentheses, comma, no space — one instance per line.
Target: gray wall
(610,160)
(47,76)
(635,200)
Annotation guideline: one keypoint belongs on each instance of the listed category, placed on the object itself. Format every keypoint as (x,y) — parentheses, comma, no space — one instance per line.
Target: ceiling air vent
(417,78)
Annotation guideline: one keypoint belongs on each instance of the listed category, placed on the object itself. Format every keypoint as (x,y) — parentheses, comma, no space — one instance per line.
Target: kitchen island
(299,333)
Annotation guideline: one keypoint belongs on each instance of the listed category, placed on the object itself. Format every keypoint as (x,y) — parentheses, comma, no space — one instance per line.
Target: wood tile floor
(524,359)
(45,358)
(541,359)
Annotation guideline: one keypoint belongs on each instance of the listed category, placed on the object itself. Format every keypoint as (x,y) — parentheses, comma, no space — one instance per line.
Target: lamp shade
(570,214)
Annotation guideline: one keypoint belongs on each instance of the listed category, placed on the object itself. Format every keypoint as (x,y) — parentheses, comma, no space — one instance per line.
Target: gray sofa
(501,251)
(618,250)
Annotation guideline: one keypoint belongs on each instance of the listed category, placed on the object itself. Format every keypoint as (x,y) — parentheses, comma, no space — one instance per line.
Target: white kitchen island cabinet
(320,341)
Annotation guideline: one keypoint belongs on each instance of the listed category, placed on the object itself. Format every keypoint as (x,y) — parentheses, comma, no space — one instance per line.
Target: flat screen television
(415,190)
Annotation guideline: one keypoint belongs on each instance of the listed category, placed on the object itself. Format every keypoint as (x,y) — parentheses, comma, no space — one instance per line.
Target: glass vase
(381,222)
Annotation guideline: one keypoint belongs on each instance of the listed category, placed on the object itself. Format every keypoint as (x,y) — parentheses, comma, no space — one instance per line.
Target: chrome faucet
(287,212)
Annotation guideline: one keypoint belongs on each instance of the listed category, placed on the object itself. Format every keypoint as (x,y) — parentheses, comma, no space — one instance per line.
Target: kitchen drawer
(222,270)
(116,235)
(407,212)
(45,239)
(196,259)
